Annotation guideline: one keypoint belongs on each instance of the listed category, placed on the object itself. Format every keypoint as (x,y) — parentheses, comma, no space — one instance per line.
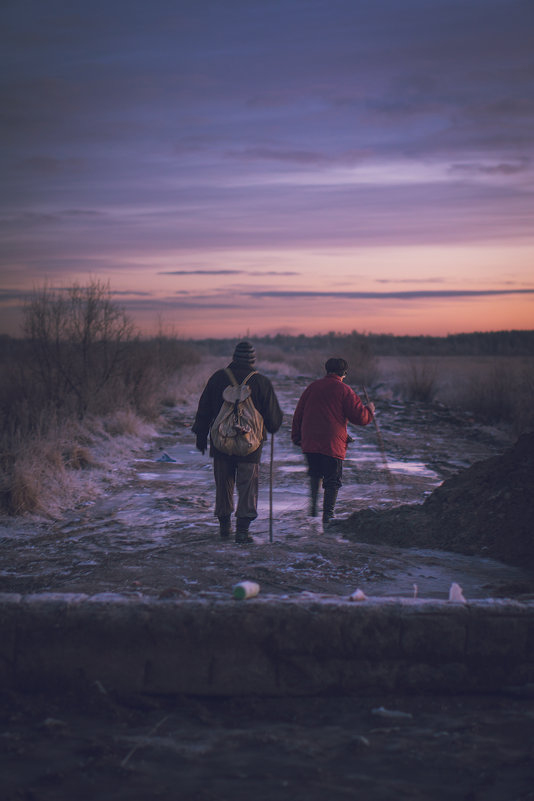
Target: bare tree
(79,338)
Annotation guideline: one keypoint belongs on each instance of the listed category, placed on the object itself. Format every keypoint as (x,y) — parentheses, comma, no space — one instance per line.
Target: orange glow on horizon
(428,318)
(407,291)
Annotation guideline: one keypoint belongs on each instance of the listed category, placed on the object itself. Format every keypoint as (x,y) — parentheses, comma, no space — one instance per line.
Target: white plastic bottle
(245,589)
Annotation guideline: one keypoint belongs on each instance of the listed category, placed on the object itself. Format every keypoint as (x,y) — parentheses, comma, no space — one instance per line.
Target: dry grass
(124,422)
(500,390)
(420,380)
(45,474)
(50,459)
(363,366)
(494,389)
(184,386)
(51,455)
(42,476)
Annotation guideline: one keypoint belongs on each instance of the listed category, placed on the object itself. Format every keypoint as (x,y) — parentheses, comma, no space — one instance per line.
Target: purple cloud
(136,135)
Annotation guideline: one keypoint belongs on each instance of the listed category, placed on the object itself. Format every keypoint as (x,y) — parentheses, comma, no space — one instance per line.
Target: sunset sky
(239,167)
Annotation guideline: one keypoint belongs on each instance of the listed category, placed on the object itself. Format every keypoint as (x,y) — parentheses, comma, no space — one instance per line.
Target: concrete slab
(264,646)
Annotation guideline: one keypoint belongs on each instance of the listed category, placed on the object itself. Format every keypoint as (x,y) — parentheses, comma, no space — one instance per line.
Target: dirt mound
(487,510)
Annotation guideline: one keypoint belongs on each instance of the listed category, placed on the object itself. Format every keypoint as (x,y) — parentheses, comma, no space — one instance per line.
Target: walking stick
(271,491)
(382,449)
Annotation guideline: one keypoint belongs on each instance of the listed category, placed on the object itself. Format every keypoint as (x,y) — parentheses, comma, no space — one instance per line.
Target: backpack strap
(232,377)
(244,381)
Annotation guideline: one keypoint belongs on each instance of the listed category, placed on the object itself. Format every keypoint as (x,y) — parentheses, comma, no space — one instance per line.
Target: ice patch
(418,469)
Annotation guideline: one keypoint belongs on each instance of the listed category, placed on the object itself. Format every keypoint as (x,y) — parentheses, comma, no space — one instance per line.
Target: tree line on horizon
(90,317)
(478,343)
(491,343)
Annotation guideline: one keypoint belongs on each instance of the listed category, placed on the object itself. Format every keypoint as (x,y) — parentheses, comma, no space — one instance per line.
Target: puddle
(168,474)
(413,469)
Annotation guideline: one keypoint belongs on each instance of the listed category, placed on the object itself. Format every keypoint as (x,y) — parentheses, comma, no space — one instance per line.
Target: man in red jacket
(320,428)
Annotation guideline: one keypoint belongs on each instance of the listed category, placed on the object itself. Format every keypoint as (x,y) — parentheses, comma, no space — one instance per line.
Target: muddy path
(198,749)
(154,532)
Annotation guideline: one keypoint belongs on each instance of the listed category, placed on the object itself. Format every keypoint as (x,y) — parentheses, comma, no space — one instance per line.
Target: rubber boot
(241,532)
(225,527)
(314,485)
(329,503)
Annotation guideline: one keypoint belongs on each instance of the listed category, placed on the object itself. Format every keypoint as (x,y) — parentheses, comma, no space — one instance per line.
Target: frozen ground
(313,749)
(154,533)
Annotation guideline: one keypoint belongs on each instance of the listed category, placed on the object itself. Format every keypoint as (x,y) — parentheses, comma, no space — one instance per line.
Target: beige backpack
(238,428)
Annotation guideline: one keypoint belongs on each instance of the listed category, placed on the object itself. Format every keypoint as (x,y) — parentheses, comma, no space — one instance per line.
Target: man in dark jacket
(232,470)
(320,428)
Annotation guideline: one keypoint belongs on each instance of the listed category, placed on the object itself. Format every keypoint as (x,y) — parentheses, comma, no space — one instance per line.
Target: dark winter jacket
(320,419)
(263,397)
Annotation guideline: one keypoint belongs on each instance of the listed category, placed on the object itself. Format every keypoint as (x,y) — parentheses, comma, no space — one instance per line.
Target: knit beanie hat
(337,366)
(245,354)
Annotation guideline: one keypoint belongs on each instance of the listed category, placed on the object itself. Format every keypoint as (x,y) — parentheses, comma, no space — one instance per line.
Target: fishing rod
(382,449)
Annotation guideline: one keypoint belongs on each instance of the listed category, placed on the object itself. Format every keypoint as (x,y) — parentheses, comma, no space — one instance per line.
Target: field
(147,525)
(114,498)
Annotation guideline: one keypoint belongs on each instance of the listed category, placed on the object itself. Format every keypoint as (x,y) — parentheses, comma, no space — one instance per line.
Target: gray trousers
(228,474)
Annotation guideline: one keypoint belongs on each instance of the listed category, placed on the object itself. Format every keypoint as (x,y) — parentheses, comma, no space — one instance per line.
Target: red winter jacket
(320,419)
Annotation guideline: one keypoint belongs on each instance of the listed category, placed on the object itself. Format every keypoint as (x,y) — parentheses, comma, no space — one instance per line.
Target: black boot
(314,486)
(329,503)
(241,532)
(225,527)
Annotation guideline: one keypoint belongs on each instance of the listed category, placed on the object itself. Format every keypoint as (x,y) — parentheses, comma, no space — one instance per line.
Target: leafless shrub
(303,362)
(152,368)
(44,474)
(77,457)
(78,341)
(79,379)
(489,393)
(23,494)
(185,385)
(363,365)
(419,381)
(501,391)
(33,478)
(306,359)
(123,422)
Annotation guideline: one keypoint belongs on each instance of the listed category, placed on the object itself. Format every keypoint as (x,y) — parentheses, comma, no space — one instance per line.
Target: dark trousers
(328,468)
(228,474)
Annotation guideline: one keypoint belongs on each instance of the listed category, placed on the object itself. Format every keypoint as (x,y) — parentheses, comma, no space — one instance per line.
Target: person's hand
(202,443)
(371,407)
